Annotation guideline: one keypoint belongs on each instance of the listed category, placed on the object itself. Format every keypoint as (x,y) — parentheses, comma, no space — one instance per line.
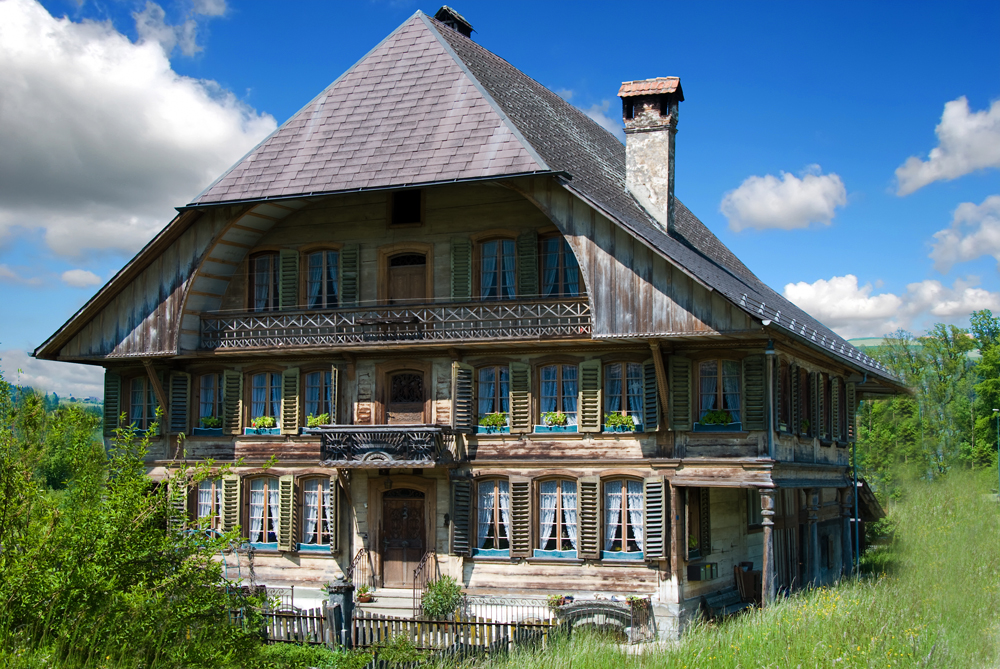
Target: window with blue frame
(493,390)
(560,273)
(210,504)
(322,290)
(317,514)
(557,519)
(265,511)
(559,390)
(623,390)
(493,518)
(497,269)
(623,520)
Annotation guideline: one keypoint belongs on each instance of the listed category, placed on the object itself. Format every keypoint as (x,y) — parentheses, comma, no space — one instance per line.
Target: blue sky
(797,118)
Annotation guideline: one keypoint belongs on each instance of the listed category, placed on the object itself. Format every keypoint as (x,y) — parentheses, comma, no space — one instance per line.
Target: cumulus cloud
(974,232)
(101,138)
(852,310)
(151,24)
(80,278)
(210,7)
(785,203)
(966,142)
(8,274)
(63,378)
(599,113)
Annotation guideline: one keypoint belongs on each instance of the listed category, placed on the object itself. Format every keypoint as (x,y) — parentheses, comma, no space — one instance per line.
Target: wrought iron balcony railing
(468,321)
(378,446)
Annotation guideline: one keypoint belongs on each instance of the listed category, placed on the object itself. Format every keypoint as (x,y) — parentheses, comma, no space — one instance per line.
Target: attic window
(406,207)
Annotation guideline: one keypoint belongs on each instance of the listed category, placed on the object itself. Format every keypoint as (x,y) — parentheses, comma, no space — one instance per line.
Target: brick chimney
(649,108)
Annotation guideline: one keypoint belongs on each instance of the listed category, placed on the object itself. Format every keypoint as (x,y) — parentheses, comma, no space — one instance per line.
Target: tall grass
(934,602)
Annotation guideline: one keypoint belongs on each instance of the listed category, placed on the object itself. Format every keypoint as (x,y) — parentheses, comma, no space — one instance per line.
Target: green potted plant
(717,420)
(210,426)
(314,422)
(616,422)
(441,598)
(363,594)
(493,423)
(263,425)
(555,421)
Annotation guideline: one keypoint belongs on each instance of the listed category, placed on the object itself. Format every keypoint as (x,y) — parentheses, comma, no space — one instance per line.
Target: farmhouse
(483,339)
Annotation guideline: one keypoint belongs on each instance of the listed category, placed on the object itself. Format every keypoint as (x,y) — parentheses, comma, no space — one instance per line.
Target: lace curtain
(256,510)
(328,520)
(569,510)
(310,510)
(635,511)
(550,267)
(634,381)
(262,282)
(612,512)
(547,504)
(258,398)
(273,509)
(487,498)
(504,492)
(709,385)
(205,499)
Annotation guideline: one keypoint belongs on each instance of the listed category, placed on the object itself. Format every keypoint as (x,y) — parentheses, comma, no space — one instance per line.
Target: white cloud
(974,232)
(565,93)
(101,138)
(151,24)
(853,311)
(786,203)
(80,278)
(966,142)
(599,113)
(64,378)
(10,275)
(210,7)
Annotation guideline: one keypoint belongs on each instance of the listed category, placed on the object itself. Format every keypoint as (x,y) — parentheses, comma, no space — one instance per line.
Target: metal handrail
(361,571)
(420,579)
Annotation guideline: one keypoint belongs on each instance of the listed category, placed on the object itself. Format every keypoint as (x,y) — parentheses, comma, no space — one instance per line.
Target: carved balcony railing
(448,322)
(379,446)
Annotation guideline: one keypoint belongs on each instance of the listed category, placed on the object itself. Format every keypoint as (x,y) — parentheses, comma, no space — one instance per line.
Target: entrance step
(394,602)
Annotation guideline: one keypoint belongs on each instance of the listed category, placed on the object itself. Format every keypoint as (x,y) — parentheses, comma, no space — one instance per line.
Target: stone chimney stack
(649,108)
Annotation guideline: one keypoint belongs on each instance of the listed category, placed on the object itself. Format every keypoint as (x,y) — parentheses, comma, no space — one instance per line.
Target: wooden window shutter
(706,521)
(232,401)
(835,400)
(286,513)
(852,410)
(520,397)
(290,401)
(231,502)
(656,519)
(795,400)
(754,392)
(589,518)
(650,398)
(461,524)
(814,417)
(461,269)
(177,498)
(334,512)
(680,393)
(334,393)
(112,401)
(520,518)
(527,264)
(180,392)
(589,397)
(288,279)
(463,411)
(350,275)
(164,416)
(776,383)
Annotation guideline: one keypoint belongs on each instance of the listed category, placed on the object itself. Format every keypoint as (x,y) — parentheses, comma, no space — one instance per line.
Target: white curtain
(313,383)
(547,508)
(256,509)
(217,521)
(569,510)
(310,507)
(612,511)
(487,497)
(275,395)
(273,507)
(328,520)
(635,511)
(504,492)
(204,499)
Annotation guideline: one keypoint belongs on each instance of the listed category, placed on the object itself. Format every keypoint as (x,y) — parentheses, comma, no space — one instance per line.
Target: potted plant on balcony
(717,420)
(314,422)
(493,423)
(555,421)
(616,422)
(263,425)
(210,427)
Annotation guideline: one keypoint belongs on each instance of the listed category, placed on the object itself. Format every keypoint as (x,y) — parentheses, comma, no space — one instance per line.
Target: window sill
(549,560)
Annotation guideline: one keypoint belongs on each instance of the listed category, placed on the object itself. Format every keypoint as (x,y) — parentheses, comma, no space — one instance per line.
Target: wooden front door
(407,282)
(403,536)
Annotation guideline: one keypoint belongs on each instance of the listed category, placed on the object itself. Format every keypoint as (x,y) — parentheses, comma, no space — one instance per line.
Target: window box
(491,553)
(623,428)
(727,427)
(206,432)
(557,555)
(491,429)
(314,548)
(555,428)
(261,546)
(618,555)
(261,430)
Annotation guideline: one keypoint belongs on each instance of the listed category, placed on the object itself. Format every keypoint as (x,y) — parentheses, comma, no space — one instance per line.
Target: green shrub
(211,422)
(441,597)
(263,422)
(295,656)
(618,420)
(496,420)
(316,421)
(552,418)
(398,649)
(717,417)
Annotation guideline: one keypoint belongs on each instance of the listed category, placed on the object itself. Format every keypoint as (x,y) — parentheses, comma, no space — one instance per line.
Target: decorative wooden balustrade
(377,446)
(469,321)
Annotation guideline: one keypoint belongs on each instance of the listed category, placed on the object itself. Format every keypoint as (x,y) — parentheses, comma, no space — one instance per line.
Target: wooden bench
(725,604)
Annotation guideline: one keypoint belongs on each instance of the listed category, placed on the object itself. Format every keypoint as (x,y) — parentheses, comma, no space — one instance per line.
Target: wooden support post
(661,382)
(161,396)
(847,546)
(767,515)
(812,528)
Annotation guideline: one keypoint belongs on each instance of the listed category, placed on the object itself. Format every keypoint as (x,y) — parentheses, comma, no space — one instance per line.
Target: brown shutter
(334,512)
(334,394)
(112,401)
(180,392)
(232,401)
(589,518)
(231,502)
(290,401)
(706,521)
(288,279)
(680,394)
(350,273)
(286,513)
(461,524)
(177,504)
(527,264)
(852,409)
(835,400)
(656,519)
(754,392)
(589,405)
(520,518)
(463,409)
(650,398)
(461,269)
(520,397)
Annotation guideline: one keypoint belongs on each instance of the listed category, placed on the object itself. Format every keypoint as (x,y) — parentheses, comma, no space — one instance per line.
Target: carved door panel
(407,282)
(405,405)
(403,534)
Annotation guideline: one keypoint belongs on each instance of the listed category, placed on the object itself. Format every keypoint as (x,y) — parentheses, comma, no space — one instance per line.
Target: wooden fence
(370,629)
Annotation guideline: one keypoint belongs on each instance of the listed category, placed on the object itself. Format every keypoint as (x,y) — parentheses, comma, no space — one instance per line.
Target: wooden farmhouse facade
(525,363)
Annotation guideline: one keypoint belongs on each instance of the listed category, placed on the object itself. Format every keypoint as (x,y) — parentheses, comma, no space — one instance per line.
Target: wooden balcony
(382,446)
(509,320)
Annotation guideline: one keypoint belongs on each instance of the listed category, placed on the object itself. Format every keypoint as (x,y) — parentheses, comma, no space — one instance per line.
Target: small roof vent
(454,20)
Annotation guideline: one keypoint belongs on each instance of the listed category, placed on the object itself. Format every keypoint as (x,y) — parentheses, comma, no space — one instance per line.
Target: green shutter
(463,406)
(520,397)
(680,393)
(754,392)
(164,417)
(795,400)
(779,391)
(589,518)
(350,275)
(232,401)
(656,519)
(290,401)
(527,264)
(461,524)
(835,400)
(816,383)
(288,279)
(461,269)
(231,502)
(334,511)
(112,401)
(177,504)
(286,513)
(334,394)
(180,392)
(520,518)
(706,521)
(852,408)
(589,405)
(650,398)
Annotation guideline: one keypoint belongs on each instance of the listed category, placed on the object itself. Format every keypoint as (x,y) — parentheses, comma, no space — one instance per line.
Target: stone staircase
(394,602)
